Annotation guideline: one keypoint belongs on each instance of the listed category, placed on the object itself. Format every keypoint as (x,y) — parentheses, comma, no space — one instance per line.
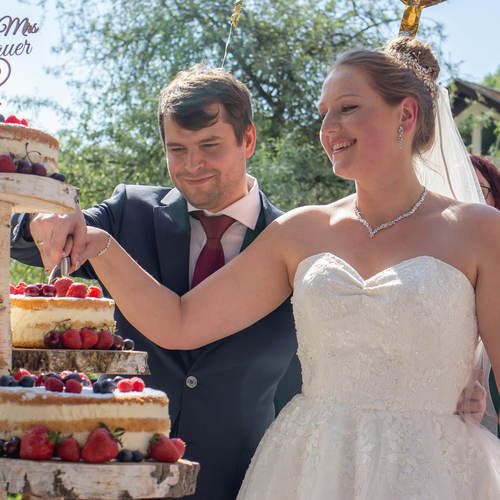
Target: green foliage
(493,80)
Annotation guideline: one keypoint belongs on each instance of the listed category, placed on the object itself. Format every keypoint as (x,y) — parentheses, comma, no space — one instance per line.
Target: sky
(471,27)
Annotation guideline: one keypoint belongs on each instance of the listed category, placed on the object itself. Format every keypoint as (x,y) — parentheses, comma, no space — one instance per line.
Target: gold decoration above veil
(235,18)
(411,15)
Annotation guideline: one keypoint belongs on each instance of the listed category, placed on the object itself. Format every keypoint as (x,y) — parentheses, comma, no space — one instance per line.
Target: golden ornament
(411,15)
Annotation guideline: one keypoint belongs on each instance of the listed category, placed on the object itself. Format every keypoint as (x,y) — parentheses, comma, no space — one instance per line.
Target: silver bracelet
(105,249)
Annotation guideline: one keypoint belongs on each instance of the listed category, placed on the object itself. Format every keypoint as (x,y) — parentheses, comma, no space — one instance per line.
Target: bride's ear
(409,114)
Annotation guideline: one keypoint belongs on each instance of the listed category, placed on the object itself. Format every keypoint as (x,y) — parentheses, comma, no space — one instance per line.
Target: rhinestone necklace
(385,225)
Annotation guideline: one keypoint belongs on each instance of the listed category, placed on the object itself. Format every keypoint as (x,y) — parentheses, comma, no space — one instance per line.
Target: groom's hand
(472,403)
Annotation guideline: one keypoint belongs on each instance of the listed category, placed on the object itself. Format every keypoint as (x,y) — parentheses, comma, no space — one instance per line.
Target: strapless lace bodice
(400,340)
(384,361)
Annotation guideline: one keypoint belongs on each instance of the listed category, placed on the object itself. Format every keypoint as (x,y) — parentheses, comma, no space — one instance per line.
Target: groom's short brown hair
(186,97)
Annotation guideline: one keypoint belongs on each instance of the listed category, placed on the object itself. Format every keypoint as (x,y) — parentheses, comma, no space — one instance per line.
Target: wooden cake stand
(55,479)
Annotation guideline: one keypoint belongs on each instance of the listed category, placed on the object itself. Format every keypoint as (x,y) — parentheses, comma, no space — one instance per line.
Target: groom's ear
(409,113)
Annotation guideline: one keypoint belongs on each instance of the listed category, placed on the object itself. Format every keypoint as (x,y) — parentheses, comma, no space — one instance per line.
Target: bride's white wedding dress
(384,361)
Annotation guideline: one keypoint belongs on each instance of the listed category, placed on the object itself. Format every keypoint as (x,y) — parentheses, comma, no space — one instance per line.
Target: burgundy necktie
(211,257)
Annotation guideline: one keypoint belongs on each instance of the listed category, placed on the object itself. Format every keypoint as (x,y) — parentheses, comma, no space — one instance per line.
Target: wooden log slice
(110,481)
(87,361)
(33,193)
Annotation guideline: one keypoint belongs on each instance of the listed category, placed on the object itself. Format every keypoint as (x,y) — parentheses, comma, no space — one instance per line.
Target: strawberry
(125,385)
(7,164)
(73,386)
(62,285)
(137,384)
(164,449)
(101,445)
(53,384)
(94,291)
(21,286)
(71,339)
(78,290)
(105,340)
(21,372)
(68,450)
(89,338)
(13,119)
(37,444)
(12,289)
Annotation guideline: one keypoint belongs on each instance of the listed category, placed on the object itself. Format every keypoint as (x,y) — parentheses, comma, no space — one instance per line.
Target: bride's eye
(346,109)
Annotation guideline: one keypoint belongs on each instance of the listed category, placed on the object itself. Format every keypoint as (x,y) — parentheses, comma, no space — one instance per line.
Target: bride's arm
(243,291)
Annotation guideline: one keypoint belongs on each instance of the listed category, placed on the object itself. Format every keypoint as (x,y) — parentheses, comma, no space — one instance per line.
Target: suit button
(191,382)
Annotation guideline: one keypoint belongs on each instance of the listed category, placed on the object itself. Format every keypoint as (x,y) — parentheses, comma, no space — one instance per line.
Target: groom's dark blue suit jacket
(222,396)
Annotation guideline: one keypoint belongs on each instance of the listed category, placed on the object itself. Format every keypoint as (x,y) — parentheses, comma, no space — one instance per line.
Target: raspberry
(21,286)
(53,384)
(7,164)
(94,291)
(125,385)
(13,119)
(62,285)
(73,385)
(89,338)
(78,290)
(137,384)
(71,339)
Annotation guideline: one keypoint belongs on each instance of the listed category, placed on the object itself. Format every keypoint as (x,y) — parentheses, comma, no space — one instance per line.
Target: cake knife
(60,269)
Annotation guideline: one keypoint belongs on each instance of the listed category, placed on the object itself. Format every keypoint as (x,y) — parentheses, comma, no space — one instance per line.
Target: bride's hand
(96,240)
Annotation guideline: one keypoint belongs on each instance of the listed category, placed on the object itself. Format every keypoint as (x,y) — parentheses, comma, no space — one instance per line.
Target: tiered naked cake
(68,406)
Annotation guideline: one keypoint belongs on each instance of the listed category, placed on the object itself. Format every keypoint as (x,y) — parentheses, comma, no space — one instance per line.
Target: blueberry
(2,118)
(108,387)
(2,452)
(117,379)
(58,177)
(27,381)
(137,456)
(13,382)
(128,345)
(97,387)
(52,374)
(125,456)
(73,375)
(102,378)
(4,380)
(11,447)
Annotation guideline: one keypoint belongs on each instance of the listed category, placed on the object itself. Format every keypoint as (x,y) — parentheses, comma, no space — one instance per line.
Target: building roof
(467,91)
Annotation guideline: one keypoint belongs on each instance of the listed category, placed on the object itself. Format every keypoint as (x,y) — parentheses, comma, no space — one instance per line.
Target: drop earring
(400,136)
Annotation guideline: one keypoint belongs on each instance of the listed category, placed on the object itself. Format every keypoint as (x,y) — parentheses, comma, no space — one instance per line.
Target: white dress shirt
(245,211)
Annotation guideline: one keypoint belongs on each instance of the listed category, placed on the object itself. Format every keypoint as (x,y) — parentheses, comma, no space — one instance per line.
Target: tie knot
(214,226)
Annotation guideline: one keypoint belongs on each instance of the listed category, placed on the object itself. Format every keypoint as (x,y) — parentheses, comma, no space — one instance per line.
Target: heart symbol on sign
(4,70)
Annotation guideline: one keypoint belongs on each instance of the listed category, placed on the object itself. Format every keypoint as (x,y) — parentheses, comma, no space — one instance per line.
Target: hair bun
(418,57)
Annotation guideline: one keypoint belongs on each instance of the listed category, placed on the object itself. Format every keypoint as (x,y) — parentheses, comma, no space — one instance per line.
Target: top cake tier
(23,142)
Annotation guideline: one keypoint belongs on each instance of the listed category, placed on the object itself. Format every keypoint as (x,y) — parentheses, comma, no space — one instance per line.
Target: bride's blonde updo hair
(405,67)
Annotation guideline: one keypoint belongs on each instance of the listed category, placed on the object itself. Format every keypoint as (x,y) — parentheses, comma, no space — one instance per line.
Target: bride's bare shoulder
(310,213)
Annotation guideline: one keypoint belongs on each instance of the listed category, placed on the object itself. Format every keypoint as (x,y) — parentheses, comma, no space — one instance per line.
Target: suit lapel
(172,233)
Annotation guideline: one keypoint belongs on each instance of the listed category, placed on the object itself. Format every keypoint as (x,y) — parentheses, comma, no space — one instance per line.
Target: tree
(123,52)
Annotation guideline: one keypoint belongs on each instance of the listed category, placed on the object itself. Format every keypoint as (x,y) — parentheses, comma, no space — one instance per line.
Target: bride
(391,287)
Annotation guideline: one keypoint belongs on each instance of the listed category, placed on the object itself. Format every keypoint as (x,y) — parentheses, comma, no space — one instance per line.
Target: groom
(222,396)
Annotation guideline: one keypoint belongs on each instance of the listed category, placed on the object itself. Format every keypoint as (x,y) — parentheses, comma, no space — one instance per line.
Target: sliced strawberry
(13,119)
(37,444)
(77,290)
(71,339)
(105,340)
(68,450)
(7,164)
(21,372)
(89,338)
(94,291)
(62,285)
(166,449)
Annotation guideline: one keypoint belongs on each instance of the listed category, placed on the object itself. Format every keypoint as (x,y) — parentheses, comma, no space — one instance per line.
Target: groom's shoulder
(136,193)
